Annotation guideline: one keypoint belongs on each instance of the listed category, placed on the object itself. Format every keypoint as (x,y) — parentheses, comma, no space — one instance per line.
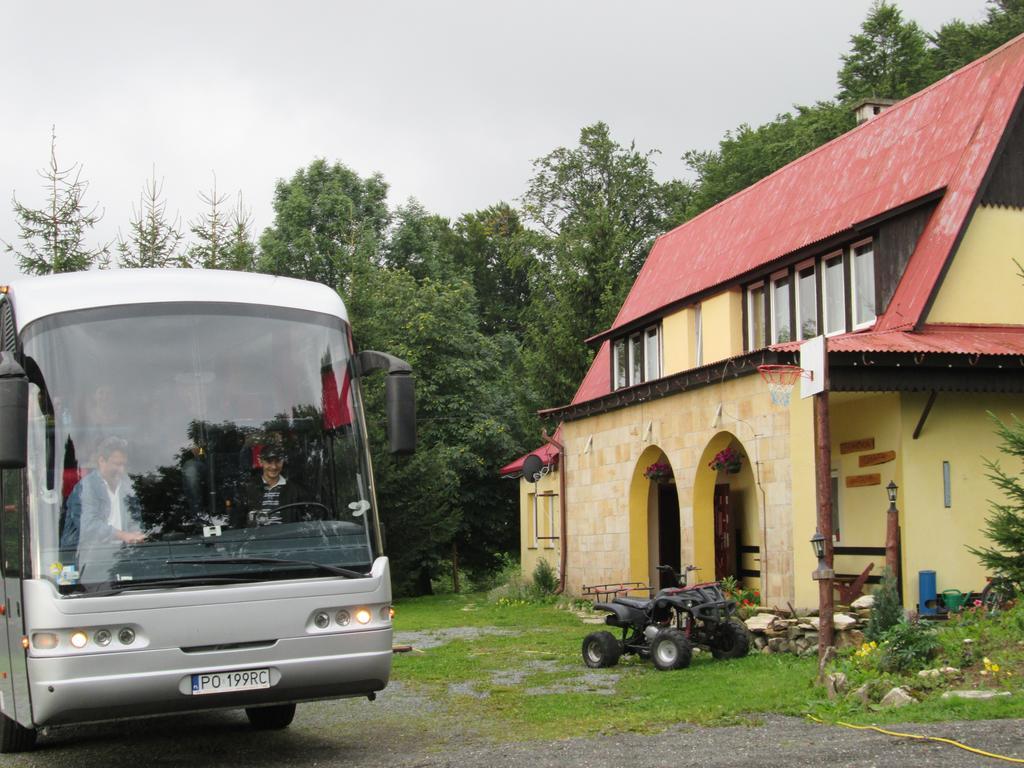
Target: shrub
(908,645)
(1005,523)
(886,612)
(545,580)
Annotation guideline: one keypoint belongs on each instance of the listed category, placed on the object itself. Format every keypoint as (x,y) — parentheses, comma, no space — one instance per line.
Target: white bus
(188,519)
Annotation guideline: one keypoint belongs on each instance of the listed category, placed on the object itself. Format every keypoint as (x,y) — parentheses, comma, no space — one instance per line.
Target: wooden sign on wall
(872,459)
(856,446)
(858,481)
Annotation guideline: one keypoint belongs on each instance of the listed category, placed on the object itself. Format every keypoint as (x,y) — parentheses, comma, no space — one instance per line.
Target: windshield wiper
(186,581)
(332,569)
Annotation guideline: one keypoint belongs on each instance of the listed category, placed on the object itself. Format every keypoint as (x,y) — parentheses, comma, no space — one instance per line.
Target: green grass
(533,683)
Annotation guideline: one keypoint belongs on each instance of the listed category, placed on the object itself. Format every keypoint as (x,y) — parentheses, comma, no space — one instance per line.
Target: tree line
(490,308)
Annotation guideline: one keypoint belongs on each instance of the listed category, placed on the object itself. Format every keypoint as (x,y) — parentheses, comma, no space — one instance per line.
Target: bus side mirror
(13,413)
(399,394)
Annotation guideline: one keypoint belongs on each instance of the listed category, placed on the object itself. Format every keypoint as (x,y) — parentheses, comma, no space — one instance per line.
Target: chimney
(865,109)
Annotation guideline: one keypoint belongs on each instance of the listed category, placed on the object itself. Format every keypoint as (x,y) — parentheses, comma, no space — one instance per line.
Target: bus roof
(36,297)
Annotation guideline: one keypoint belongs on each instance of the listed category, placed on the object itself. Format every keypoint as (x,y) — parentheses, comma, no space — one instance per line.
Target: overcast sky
(450,101)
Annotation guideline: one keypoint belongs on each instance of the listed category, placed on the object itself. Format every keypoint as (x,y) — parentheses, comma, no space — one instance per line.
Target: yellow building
(895,243)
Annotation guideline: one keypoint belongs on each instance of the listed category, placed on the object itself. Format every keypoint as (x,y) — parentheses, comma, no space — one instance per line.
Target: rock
(792,633)
(974,694)
(863,602)
(835,684)
(807,627)
(897,697)
(851,637)
(775,644)
(951,672)
(926,673)
(760,622)
(760,642)
(842,621)
(863,694)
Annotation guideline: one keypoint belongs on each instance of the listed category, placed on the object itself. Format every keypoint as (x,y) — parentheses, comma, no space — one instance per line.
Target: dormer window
(636,358)
(830,294)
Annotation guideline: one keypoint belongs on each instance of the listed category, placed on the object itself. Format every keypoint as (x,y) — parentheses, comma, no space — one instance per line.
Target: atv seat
(633,602)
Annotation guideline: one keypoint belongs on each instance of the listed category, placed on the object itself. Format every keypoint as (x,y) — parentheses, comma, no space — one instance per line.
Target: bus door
(14,695)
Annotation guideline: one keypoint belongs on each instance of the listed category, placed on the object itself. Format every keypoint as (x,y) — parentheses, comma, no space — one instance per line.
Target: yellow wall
(677,342)
(958,430)
(722,323)
(529,551)
(982,284)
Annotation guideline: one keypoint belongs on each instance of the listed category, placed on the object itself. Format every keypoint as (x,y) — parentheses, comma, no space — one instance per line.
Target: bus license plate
(229,682)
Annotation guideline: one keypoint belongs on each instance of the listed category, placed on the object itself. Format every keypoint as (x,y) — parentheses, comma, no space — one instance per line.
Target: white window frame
(631,347)
(853,283)
(698,337)
(751,340)
(798,296)
(649,374)
(777,276)
(824,292)
(617,353)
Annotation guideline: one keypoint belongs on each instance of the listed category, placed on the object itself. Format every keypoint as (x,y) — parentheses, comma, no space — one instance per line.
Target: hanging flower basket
(728,459)
(659,472)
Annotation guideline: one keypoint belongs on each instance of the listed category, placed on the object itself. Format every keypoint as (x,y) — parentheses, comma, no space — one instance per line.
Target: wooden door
(725,544)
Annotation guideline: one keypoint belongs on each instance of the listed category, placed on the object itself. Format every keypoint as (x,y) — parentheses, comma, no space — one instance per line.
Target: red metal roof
(547,453)
(932,338)
(940,139)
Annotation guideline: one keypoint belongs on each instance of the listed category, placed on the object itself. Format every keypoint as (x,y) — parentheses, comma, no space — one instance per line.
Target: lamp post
(892,534)
(823,575)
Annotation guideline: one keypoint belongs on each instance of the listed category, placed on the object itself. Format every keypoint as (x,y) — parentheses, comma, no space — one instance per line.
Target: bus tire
(15,737)
(272,718)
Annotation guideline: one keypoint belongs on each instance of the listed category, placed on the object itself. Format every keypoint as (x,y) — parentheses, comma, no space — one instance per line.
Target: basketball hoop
(780,380)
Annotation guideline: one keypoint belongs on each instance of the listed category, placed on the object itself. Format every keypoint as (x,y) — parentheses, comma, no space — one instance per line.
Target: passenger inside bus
(269,491)
(103,508)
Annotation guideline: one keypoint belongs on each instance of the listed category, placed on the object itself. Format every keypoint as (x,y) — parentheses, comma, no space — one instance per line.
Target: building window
(863,279)
(807,300)
(755,316)
(620,369)
(652,353)
(698,337)
(781,330)
(637,358)
(834,294)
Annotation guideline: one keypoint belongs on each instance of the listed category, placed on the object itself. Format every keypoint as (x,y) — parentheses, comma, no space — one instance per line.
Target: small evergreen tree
(53,236)
(886,612)
(153,240)
(1005,524)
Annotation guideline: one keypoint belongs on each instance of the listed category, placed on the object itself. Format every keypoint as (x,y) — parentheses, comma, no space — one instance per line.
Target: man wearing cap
(265,494)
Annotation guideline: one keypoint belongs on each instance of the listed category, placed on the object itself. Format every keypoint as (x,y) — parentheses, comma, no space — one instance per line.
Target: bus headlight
(126,636)
(386,613)
(363,615)
(79,639)
(102,637)
(322,620)
(343,618)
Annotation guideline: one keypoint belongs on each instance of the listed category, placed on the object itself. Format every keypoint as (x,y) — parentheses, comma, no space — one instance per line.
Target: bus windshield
(187,443)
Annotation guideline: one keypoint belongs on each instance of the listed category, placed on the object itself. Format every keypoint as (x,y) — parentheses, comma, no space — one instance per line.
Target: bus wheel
(14,737)
(271,718)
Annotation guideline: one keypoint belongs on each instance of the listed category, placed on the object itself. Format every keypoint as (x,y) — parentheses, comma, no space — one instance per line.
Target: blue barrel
(926,594)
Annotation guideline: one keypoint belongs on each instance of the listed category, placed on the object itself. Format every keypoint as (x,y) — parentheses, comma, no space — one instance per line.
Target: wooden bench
(851,587)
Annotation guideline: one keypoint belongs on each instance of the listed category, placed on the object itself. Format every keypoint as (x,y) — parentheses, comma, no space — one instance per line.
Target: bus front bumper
(93,687)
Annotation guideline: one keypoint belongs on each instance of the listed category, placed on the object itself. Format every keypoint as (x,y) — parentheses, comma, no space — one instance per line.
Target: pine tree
(1005,523)
(53,237)
(886,611)
(154,240)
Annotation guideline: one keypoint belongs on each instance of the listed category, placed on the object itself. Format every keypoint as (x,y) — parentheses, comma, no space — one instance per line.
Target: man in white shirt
(110,510)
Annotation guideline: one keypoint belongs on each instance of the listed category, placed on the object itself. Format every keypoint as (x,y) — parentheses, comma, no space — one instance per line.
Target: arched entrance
(726,512)
(654,530)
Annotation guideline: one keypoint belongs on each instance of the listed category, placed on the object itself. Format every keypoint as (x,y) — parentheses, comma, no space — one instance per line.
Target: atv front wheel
(731,641)
(671,649)
(601,649)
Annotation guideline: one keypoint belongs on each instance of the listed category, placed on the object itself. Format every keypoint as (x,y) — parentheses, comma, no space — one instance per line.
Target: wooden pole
(823,477)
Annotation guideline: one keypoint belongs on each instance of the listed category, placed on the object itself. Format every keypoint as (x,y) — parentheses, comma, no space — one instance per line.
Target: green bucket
(954,599)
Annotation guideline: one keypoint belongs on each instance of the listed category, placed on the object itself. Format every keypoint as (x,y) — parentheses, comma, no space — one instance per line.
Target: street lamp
(892,533)
(818,545)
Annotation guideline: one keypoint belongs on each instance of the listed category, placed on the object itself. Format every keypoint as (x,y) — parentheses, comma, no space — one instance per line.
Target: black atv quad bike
(666,627)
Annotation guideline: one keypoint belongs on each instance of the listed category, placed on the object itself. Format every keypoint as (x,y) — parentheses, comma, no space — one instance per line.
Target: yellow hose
(920,738)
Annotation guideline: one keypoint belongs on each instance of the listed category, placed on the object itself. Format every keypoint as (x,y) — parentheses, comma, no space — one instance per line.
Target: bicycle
(999,593)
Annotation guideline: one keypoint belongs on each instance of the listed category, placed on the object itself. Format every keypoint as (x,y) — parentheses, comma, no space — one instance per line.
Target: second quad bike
(666,627)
